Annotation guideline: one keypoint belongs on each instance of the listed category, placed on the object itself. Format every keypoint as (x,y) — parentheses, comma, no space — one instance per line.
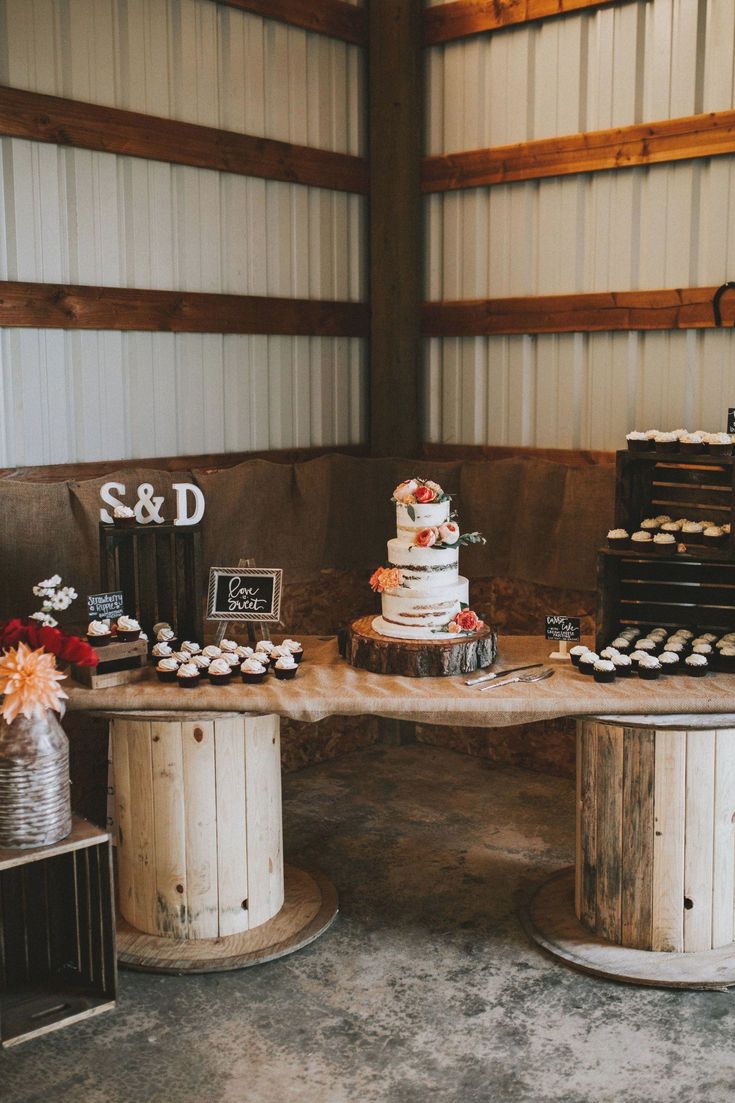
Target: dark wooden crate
(57,934)
(695,487)
(647,590)
(158,569)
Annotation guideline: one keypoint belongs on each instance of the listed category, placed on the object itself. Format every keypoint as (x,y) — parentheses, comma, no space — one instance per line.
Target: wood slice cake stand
(369,650)
(201,878)
(651,898)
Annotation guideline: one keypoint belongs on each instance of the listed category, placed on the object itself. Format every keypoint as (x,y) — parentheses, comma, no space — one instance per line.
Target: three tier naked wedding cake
(423,595)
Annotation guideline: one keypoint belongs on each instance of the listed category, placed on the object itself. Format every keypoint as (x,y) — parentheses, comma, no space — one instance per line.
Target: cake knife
(500,674)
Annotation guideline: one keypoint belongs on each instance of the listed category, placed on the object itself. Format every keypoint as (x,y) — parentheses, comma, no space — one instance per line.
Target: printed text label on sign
(563,628)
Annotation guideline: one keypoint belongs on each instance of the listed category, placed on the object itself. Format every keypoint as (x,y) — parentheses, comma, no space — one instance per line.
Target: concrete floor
(426,988)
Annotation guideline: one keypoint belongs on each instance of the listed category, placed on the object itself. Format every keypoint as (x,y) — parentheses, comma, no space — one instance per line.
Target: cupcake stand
(202,882)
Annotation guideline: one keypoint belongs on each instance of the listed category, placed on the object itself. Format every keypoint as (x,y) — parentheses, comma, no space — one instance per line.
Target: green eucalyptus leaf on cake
(471,538)
(411,512)
(463,605)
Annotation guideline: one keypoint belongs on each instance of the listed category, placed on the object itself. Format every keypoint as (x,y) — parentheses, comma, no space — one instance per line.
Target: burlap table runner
(326,686)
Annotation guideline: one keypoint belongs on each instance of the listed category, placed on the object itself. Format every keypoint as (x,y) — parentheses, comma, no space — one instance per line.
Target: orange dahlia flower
(29,680)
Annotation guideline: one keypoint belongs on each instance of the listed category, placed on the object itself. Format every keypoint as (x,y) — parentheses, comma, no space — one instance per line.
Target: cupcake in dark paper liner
(253,671)
(618,539)
(285,668)
(604,670)
(587,662)
(166,669)
(623,666)
(123,517)
(188,676)
(719,444)
(576,653)
(649,668)
(128,629)
(295,648)
(99,633)
(670,662)
(219,672)
(641,541)
(696,665)
(664,543)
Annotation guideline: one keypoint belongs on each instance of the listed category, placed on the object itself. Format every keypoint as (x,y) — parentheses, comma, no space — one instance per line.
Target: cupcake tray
(648,591)
(698,487)
(118,664)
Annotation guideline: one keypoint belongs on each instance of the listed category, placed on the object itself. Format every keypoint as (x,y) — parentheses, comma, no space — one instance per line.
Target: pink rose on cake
(425,538)
(405,491)
(425,494)
(449,532)
(468,621)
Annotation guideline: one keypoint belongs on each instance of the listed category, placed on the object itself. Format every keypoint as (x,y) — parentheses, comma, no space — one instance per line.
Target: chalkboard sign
(562,628)
(105,606)
(731,420)
(245,593)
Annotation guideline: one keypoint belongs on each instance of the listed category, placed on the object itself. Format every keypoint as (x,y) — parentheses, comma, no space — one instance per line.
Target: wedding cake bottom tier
(415,618)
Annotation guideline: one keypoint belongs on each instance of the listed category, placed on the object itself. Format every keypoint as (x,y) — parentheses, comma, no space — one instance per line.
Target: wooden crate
(118,665)
(158,568)
(647,590)
(695,487)
(57,934)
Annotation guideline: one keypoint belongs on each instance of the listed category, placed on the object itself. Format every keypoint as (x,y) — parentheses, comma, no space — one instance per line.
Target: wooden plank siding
(460,18)
(330,17)
(65,122)
(670,308)
(55,306)
(710,134)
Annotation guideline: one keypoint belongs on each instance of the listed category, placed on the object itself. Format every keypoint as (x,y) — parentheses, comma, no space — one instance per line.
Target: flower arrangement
(465,623)
(385,578)
(30,649)
(418,491)
(446,536)
(29,682)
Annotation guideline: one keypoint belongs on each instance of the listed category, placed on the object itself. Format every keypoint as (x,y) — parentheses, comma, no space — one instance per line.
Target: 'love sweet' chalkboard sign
(245,593)
(562,628)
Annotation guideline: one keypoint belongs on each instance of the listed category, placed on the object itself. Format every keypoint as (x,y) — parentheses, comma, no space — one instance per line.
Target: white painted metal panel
(192,60)
(78,216)
(665,226)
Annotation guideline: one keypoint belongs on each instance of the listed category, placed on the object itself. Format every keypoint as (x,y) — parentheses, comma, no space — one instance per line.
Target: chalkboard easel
(225,624)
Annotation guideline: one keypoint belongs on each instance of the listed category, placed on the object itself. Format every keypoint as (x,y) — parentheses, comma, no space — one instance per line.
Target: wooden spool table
(202,882)
(651,897)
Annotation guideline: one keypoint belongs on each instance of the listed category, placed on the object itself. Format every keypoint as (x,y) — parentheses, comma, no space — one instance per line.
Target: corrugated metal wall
(665,226)
(70,215)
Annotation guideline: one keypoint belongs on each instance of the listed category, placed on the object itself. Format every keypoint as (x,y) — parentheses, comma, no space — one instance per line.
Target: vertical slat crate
(694,589)
(57,934)
(158,569)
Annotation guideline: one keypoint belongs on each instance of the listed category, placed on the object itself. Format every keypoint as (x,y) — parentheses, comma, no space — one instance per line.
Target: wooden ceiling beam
(333,18)
(461,18)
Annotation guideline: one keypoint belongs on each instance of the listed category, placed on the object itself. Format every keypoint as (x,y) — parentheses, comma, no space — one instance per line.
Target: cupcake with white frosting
(667,442)
(609,653)
(604,670)
(714,536)
(162,651)
(231,658)
(295,648)
(228,646)
(587,662)
(286,667)
(166,669)
(650,524)
(719,444)
(639,441)
(664,543)
(691,532)
(128,629)
(621,643)
(623,665)
(99,633)
(220,671)
(264,645)
(159,626)
(692,443)
(618,539)
(211,651)
(576,653)
(201,661)
(244,652)
(167,635)
(191,647)
(123,517)
(725,660)
(188,675)
(670,662)
(253,671)
(641,540)
(649,668)
(696,665)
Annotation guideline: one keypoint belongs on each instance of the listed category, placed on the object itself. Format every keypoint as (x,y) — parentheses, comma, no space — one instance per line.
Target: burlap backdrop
(543,521)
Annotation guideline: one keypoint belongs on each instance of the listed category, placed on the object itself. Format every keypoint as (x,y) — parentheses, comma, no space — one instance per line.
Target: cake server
(500,674)
(542,674)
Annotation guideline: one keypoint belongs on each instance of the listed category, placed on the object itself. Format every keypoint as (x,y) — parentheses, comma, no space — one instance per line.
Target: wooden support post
(395,117)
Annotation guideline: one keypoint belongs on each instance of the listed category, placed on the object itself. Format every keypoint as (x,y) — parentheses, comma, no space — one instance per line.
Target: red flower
(425,494)
(70,649)
(468,621)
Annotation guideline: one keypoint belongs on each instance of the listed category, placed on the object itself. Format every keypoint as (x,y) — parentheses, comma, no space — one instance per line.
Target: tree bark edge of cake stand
(368,650)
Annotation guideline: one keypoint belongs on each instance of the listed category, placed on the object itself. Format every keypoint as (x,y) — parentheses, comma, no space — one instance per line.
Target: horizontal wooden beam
(465,17)
(53,306)
(571,457)
(110,130)
(334,18)
(675,308)
(209,463)
(708,135)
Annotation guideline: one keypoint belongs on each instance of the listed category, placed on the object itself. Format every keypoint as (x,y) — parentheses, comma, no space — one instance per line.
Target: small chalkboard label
(245,593)
(731,420)
(562,628)
(105,606)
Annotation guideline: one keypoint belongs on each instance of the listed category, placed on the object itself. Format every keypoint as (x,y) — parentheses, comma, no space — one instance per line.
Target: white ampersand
(149,503)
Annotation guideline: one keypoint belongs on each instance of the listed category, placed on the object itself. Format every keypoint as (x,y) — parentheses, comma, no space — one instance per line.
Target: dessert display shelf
(681,485)
(370,650)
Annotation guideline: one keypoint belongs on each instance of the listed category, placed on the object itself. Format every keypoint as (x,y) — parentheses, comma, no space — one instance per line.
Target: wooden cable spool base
(369,650)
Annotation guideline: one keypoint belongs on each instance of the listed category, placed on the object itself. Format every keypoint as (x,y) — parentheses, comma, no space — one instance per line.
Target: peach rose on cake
(425,538)
(425,494)
(449,532)
(405,491)
(468,621)
(385,578)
